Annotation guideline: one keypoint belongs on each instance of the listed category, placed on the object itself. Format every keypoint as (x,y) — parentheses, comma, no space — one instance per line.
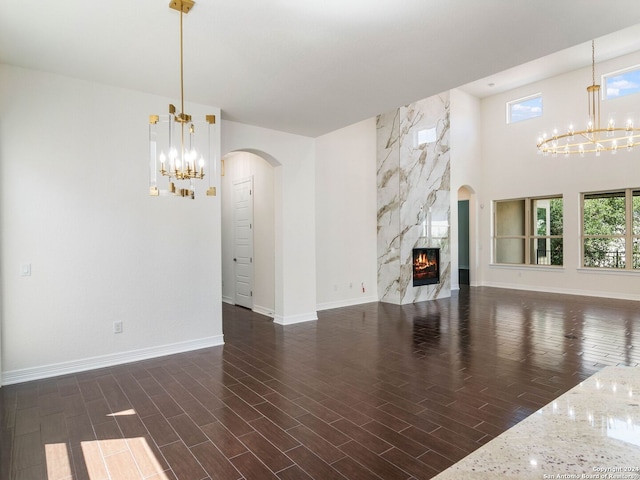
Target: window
(528,231)
(524,108)
(622,82)
(425,135)
(611,229)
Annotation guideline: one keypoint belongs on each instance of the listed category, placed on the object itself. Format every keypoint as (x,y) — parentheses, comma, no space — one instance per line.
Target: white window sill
(511,266)
(608,271)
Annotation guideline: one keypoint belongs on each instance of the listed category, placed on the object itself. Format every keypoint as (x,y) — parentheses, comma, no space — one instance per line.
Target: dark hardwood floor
(375,391)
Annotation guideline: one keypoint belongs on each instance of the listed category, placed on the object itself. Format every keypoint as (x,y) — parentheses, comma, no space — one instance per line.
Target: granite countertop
(591,431)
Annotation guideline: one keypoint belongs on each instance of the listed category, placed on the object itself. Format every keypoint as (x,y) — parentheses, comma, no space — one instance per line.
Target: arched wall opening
(253,173)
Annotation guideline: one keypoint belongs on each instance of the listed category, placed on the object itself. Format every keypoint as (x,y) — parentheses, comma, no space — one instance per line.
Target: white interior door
(243,241)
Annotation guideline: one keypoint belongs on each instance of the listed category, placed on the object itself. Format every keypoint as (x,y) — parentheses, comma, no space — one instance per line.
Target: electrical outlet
(117,327)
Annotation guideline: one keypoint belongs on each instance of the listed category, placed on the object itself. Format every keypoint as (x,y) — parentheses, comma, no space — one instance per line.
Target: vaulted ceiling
(310,67)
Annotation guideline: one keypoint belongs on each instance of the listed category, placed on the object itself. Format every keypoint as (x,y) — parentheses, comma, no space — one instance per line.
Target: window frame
(622,71)
(510,103)
(629,236)
(530,235)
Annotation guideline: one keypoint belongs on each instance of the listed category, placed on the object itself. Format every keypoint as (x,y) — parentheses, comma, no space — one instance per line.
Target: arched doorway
(466,238)
(248,231)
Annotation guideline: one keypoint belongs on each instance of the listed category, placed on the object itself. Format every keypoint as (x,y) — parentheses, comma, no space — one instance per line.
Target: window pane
(557,251)
(556,216)
(636,253)
(546,251)
(604,252)
(542,218)
(524,109)
(604,214)
(510,218)
(636,212)
(623,83)
(547,216)
(510,250)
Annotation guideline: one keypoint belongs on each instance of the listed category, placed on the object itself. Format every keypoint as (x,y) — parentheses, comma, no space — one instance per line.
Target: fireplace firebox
(426,266)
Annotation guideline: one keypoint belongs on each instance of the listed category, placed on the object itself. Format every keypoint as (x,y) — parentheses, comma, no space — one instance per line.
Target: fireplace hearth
(426,266)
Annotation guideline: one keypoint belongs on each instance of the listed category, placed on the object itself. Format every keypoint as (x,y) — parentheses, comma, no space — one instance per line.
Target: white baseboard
(564,291)
(91,363)
(346,303)
(263,310)
(228,300)
(293,319)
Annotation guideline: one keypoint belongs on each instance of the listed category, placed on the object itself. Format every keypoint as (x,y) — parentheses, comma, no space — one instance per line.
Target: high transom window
(524,108)
(621,82)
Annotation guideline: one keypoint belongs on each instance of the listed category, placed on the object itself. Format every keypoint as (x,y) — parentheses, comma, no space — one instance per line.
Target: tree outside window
(611,229)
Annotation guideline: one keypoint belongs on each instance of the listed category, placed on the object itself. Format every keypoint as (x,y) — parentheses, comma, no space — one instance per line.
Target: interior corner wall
(239,166)
(294,213)
(345,179)
(414,197)
(512,169)
(74,204)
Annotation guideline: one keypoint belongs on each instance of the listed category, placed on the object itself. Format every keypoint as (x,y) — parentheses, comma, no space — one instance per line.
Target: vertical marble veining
(413,197)
(388,175)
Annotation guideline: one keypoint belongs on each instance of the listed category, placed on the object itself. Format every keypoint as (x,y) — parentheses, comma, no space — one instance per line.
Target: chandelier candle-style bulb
(163,159)
(176,134)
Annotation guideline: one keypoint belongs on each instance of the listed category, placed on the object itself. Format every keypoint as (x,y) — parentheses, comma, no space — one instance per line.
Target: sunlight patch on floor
(131,411)
(115,459)
(58,464)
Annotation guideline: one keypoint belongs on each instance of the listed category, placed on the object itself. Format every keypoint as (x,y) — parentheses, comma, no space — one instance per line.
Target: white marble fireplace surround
(413,197)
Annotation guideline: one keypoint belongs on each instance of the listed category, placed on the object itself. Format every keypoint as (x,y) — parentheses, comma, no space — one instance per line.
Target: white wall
(74,204)
(512,169)
(466,166)
(294,213)
(238,166)
(345,179)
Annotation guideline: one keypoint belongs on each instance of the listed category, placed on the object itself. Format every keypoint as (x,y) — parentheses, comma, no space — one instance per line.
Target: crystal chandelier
(594,138)
(176,152)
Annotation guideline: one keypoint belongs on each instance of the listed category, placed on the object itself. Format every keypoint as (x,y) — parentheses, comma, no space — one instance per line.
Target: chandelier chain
(181,67)
(593,63)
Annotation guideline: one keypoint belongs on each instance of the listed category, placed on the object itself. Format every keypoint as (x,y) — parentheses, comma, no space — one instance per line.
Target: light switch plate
(25,270)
